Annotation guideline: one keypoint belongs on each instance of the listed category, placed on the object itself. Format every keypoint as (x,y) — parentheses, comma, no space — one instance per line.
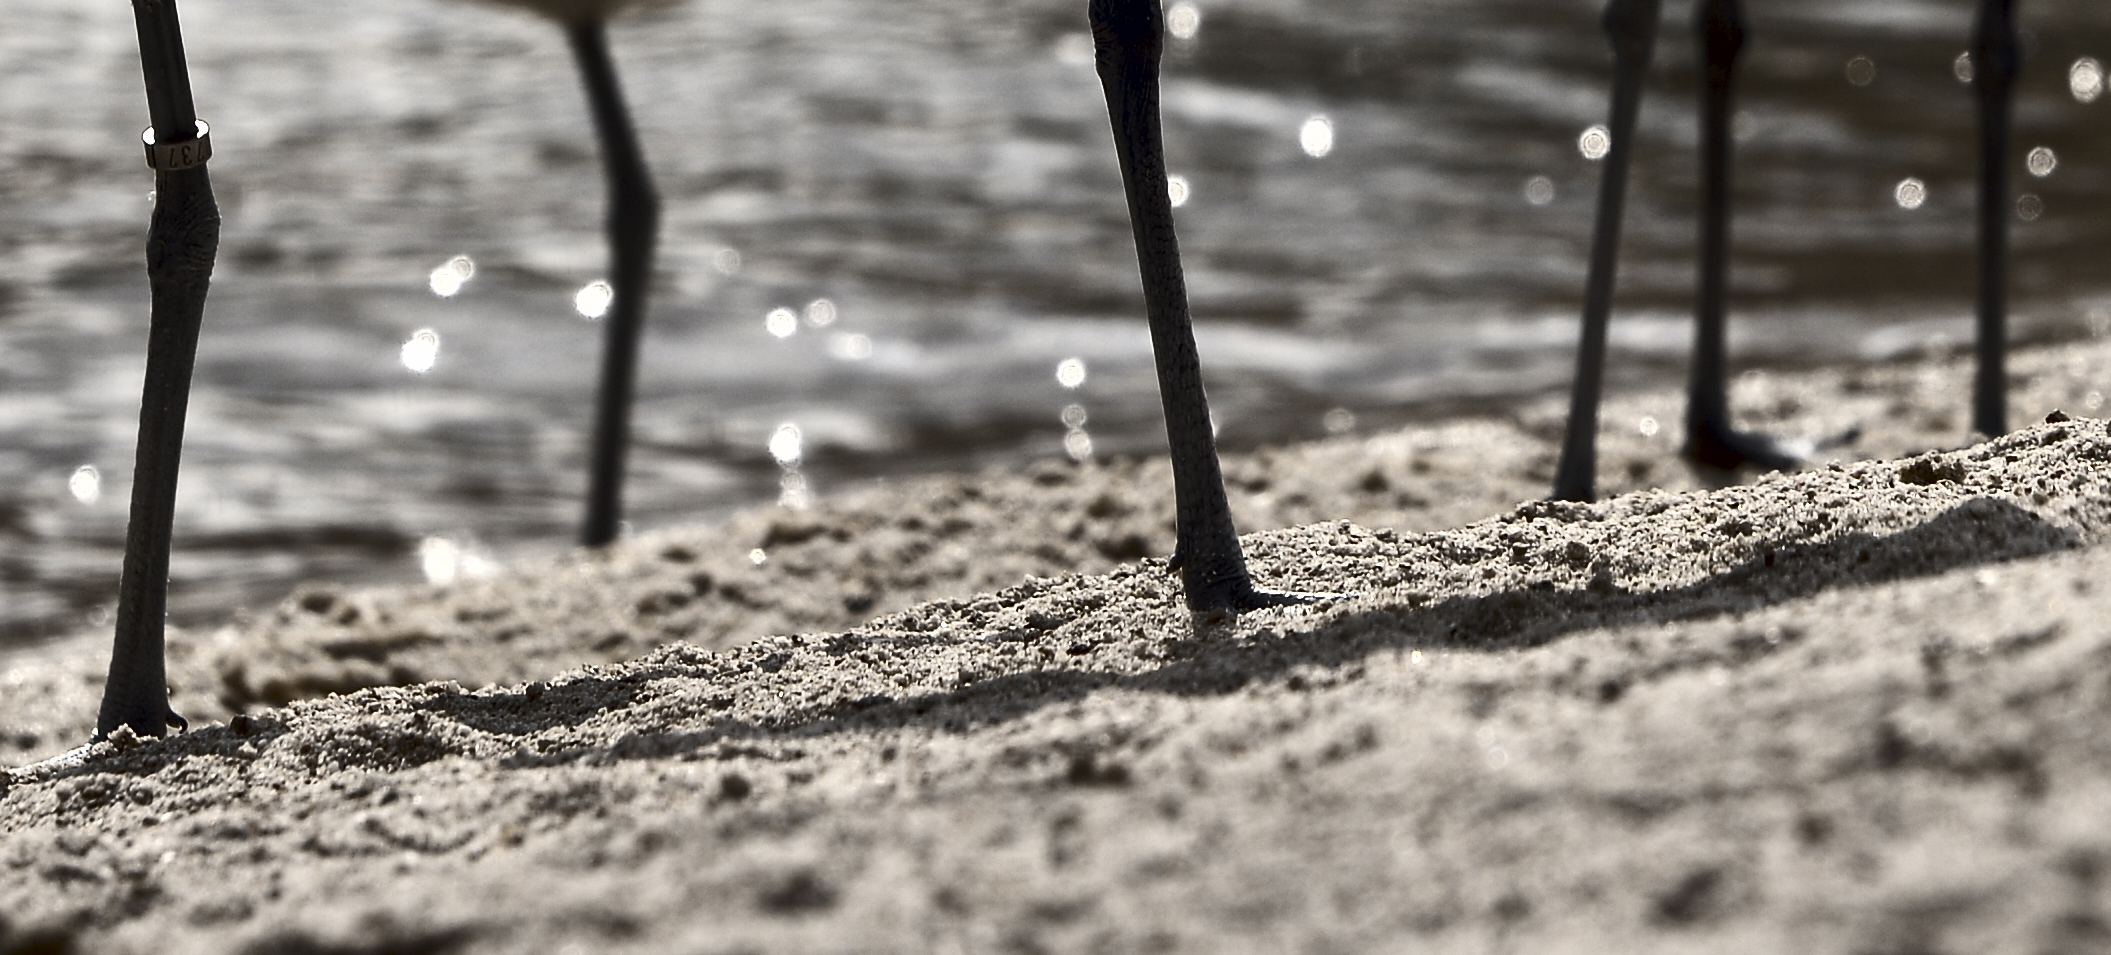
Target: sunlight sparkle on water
(2041,162)
(781,322)
(1911,192)
(1316,137)
(1076,443)
(439,558)
(1961,67)
(820,313)
(592,301)
(443,560)
(758,557)
(422,351)
(1176,189)
(1338,421)
(1070,372)
(792,491)
(449,278)
(1595,143)
(849,346)
(2085,79)
(727,261)
(1539,190)
(1647,426)
(86,484)
(2029,207)
(785,444)
(1183,19)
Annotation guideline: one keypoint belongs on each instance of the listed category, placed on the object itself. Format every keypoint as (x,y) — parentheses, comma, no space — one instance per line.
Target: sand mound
(1857,709)
(856,556)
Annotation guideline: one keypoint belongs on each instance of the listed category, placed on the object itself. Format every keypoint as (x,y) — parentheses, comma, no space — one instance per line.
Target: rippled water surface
(895,243)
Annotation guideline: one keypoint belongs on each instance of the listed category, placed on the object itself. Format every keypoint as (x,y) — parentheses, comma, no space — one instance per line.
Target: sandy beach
(1856,709)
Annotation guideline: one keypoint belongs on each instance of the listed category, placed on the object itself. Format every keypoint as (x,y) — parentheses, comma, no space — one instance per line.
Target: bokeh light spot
(1861,71)
(1183,20)
(786,444)
(2041,162)
(593,301)
(1911,193)
(2085,79)
(449,278)
(422,351)
(849,346)
(1316,136)
(86,484)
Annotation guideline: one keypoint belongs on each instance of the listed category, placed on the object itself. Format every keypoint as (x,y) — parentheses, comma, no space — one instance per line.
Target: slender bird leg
(1128,36)
(181,243)
(1710,440)
(633,229)
(1632,27)
(1995,61)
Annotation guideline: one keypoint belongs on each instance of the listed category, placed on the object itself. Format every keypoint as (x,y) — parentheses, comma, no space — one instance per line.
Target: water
(940,175)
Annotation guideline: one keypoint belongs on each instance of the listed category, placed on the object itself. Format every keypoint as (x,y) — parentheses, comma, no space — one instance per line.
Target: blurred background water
(895,243)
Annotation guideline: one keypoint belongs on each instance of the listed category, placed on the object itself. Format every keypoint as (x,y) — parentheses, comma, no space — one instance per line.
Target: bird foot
(1722,451)
(1233,593)
(1232,598)
(169,718)
(121,739)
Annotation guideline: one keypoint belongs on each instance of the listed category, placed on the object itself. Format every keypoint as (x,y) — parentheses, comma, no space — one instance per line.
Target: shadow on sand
(1976,532)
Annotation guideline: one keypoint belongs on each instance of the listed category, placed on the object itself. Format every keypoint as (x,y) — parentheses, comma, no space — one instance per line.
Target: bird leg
(1710,440)
(181,241)
(1631,25)
(1995,61)
(633,229)
(1128,36)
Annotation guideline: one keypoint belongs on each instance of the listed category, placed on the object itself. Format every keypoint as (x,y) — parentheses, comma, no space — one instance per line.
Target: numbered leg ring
(170,157)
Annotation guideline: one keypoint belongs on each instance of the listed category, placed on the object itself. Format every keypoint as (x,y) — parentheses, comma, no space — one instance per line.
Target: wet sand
(1856,709)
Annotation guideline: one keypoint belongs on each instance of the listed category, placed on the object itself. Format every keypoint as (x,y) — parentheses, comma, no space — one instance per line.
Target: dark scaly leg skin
(1710,440)
(1128,36)
(181,243)
(1995,60)
(633,229)
(1632,27)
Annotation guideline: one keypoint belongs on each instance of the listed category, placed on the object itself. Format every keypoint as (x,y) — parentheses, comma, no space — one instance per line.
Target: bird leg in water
(181,242)
(1128,36)
(1631,25)
(633,229)
(1995,60)
(1710,440)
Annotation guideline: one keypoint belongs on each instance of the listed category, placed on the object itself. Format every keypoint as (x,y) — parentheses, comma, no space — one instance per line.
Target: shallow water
(941,175)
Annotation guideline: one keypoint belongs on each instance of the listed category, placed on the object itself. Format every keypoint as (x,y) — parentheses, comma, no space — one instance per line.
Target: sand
(1856,709)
